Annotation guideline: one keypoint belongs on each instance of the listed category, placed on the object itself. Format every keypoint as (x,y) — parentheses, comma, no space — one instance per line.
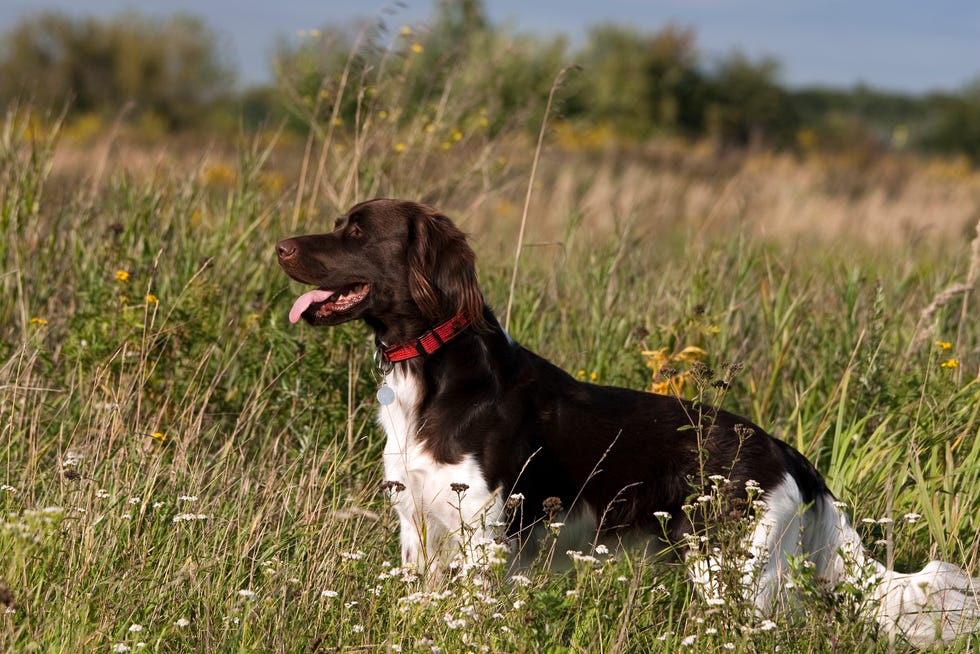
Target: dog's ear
(442,270)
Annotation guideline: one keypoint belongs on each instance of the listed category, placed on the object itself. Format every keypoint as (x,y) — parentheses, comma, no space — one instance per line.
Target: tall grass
(182,470)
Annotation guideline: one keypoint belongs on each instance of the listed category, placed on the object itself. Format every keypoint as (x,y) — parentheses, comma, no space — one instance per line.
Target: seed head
(393,486)
(702,372)
(552,506)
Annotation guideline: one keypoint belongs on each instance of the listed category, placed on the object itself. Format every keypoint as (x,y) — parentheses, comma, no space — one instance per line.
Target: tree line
(634,84)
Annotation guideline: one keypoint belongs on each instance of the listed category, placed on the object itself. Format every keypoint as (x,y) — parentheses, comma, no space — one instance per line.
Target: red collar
(428,342)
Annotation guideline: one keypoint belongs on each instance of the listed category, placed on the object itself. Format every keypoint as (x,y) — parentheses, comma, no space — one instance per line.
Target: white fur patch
(438,525)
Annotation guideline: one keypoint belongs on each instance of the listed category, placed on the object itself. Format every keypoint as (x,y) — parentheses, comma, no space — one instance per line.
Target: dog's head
(387,262)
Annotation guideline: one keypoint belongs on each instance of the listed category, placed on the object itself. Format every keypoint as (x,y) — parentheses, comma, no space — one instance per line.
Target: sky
(911,46)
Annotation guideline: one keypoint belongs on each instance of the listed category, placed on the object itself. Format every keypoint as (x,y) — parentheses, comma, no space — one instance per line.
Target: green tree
(956,123)
(171,69)
(748,106)
(614,84)
(676,87)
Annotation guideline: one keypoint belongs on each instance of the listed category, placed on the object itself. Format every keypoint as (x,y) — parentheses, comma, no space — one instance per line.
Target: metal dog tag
(386,395)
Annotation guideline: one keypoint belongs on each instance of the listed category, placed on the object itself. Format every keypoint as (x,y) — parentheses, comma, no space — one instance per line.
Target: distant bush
(170,69)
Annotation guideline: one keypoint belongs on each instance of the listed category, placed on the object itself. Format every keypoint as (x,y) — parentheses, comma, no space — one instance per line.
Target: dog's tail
(937,604)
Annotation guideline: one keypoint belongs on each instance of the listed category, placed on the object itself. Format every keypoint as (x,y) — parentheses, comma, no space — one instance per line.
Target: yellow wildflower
(122,275)
(151,298)
(944,345)
(399,147)
(38,321)
(159,436)
(416,48)
(950,363)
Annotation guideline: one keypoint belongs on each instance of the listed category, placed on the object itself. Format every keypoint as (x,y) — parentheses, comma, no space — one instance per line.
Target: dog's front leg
(476,525)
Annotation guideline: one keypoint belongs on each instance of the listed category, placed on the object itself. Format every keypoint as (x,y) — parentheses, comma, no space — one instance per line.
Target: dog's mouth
(321,303)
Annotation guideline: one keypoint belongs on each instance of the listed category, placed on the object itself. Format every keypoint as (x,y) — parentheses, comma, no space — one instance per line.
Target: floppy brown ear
(442,270)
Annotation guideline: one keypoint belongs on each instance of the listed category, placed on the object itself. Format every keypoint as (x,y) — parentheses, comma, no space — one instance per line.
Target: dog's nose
(285,249)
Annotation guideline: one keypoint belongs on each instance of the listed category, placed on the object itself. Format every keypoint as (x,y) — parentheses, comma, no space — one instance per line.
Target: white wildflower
(188,498)
(911,518)
(182,622)
(688,641)
(578,556)
(454,623)
(246,593)
(329,593)
(102,493)
(135,628)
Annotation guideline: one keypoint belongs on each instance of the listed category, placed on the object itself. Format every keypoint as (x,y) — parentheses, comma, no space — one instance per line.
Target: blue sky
(904,45)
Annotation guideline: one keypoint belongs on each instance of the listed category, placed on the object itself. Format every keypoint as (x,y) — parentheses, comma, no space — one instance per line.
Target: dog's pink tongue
(304,301)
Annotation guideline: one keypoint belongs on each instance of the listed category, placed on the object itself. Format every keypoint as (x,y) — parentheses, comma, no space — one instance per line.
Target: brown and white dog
(473,418)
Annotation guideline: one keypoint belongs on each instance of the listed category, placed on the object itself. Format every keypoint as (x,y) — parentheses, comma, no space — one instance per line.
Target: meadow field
(181,470)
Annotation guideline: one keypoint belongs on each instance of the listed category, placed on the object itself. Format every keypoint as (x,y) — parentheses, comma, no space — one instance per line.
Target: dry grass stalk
(925,327)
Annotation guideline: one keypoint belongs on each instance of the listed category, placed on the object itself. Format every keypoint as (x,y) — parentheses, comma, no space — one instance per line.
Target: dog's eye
(354,230)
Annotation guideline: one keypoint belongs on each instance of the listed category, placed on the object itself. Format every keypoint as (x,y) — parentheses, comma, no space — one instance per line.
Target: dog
(475,422)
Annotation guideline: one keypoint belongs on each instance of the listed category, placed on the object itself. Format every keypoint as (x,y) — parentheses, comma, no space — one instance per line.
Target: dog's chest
(406,458)
(399,417)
